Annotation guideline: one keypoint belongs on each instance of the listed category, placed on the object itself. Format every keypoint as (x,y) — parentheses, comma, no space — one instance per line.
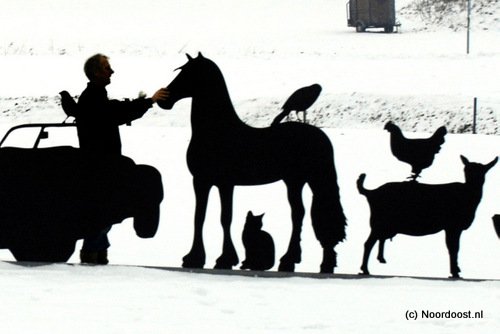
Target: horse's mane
(210,71)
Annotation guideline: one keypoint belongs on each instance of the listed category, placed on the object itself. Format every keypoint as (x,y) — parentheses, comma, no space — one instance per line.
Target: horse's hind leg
(229,257)
(196,256)
(329,260)
(294,252)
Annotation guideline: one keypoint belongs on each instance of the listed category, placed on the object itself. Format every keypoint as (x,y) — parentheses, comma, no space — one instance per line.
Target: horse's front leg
(294,252)
(196,256)
(228,258)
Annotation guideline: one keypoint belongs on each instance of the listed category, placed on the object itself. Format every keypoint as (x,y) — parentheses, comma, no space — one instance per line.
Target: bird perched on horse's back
(418,153)
(300,100)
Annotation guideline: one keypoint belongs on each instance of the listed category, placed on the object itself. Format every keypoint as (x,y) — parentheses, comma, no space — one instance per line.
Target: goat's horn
(492,163)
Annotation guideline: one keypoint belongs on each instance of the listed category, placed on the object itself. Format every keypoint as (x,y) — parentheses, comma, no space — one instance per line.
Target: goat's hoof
(364,272)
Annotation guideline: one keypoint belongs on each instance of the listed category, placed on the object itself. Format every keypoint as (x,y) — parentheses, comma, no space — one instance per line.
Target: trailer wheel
(360,27)
(389,29)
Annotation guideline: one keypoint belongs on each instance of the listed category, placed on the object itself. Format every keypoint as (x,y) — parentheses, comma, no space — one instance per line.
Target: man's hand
(161,94)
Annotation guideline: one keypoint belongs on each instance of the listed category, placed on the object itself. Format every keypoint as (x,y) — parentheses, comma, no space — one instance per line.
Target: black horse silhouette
(225,152)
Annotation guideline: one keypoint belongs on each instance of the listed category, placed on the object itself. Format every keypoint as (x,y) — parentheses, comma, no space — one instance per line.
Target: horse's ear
(200,55)
(465,161)
(189,57)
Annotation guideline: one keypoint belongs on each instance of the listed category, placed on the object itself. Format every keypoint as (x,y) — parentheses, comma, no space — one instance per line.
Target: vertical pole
(468,24)
(474,121)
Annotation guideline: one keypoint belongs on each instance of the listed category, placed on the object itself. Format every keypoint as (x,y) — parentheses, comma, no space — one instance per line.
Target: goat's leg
(294,252)
(370,242)
(228,258)
(196,256)
(380,256)
(453,244)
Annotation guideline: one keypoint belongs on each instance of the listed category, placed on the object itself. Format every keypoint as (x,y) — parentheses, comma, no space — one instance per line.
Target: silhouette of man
(99,136)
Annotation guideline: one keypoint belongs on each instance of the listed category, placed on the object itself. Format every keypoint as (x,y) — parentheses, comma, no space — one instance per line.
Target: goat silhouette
(418,209)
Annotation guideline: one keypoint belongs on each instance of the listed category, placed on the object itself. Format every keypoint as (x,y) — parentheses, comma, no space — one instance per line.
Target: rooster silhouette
(418,153)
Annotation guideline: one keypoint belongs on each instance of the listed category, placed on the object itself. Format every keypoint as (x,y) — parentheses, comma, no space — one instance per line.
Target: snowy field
(420,78)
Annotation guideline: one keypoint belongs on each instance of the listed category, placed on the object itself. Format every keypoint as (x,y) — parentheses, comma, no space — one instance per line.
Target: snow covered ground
(420,78)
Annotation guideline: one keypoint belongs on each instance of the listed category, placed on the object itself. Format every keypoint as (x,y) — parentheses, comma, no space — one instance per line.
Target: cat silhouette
(259,245)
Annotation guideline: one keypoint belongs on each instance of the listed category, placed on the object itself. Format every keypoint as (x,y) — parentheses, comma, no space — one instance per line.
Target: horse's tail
(327,215)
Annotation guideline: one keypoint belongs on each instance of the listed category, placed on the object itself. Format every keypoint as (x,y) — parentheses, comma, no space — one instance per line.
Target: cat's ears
(250,214)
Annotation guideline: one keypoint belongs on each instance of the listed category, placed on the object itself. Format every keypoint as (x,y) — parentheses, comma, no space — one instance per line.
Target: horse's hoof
(190,262)
(223,263)
(328,265)
(286,267)
(192,265)
(381,260)
(223,267)
(327,269)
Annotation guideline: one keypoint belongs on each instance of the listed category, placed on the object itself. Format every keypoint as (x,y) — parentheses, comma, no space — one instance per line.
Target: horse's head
(195,76)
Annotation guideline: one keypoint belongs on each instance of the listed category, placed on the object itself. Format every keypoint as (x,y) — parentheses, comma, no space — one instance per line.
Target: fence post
(468,24)
(474,120)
